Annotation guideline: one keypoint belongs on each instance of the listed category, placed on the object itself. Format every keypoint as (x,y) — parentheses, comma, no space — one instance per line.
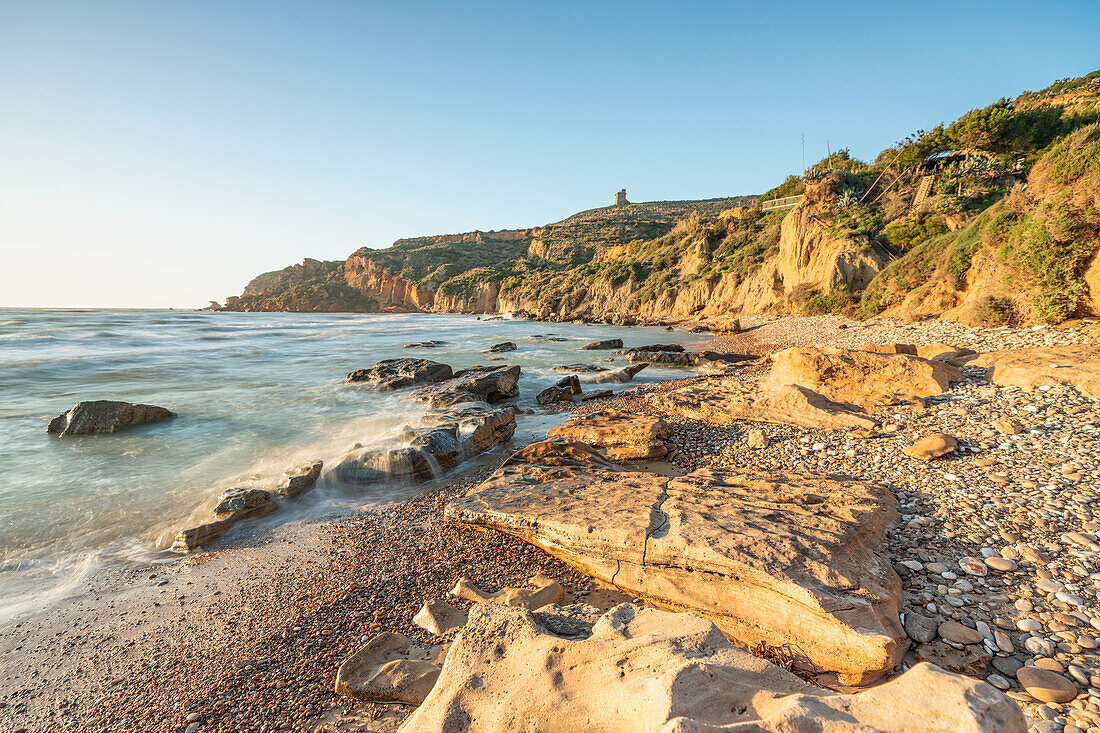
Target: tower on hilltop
(620,198)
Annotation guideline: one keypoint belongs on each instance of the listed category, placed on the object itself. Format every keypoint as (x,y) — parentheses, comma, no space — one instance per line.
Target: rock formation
(639,670)
(621,436)
(862,378)
(786,559)
(723,402)
(104,416)
(1076,366)
(397,373)
(476,384)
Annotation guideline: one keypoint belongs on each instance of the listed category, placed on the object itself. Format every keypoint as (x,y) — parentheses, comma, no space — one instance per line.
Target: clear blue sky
(162,153)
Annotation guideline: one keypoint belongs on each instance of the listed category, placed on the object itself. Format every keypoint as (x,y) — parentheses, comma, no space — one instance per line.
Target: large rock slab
(397,373)
(476,384)
(618,376)
(783,558)
(608,344)
(723,402)
(640,670)
(862,378)
(427,451)
(621,436)
(105,416)
(232,506)
(1077,366)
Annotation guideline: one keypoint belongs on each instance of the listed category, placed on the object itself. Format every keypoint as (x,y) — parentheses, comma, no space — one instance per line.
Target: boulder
(296,480)
(621,436)
(787,559)
(608,344)
(542,591)
(862,378)
(233,505)
(430,450)
(943,352)
(726,327)
(397,373)
(498,348)
(641,670)
(932,447)
(578,368)
(563,391)
(684,359)
(618,376)
(476,384)
(390,668)
(1077,366)
(724,401)
(105,416)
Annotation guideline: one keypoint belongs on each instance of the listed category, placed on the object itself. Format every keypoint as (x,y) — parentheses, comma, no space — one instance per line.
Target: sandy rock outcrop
(105,416)
(621,436)
(391,293)
(542,591)
(1077,366)
(862,378)
(298,479)
(397,373)
(640,670)
(233,505)
(782,558)
(723,402)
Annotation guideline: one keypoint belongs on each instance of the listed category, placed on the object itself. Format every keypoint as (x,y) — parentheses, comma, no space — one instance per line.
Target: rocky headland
(864,526)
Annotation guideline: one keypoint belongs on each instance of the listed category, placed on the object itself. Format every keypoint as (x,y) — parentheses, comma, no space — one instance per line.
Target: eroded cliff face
(389,292)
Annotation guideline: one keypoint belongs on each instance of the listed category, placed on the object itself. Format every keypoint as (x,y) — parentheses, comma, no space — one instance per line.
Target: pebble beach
(998,549)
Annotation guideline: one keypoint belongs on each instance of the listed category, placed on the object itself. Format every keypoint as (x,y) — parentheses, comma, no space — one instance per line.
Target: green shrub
(911,230)
(996,311)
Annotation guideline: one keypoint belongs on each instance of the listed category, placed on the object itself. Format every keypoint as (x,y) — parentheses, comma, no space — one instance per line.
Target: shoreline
(250,633)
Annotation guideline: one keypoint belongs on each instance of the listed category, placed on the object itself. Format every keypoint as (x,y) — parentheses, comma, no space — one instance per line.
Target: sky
(157,154)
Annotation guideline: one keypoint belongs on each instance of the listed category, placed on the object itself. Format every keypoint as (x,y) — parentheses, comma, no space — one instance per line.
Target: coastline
(250,634)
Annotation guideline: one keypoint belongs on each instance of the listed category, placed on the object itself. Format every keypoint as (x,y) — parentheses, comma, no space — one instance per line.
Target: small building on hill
(620,198)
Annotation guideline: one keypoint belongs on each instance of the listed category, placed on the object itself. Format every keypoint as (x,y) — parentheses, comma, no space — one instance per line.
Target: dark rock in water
(476,384)
(397,373)
(625,374)
(597,395)
(684,359)
(608,344)
(105,416)
(299,478)
(498,348)
(425,344)
(700,329)
(431,450)
(542,337)
(563,391)
(653,347)
(242,499)
(578,368)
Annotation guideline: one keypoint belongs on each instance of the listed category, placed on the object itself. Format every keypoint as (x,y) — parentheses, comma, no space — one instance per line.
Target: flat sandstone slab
(781,558)
(1077,366)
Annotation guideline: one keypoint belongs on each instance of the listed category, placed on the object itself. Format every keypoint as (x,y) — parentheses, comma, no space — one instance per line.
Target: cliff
(989,219)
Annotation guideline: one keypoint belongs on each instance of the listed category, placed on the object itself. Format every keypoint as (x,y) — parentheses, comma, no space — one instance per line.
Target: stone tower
(620,198)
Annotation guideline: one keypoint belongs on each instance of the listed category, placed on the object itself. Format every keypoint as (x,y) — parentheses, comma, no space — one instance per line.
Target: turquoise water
(255,392)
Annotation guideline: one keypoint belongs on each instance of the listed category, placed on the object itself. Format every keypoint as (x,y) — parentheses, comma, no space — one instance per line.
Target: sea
(254,393)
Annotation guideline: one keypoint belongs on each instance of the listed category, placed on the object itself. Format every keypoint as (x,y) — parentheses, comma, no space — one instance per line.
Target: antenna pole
(803,153)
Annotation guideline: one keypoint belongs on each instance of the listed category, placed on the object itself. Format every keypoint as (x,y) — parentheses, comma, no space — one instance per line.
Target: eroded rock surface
(866,379)
(726,401)
(607,344)
(390,668)
(1077,366)
(684,359)
(638,670)
(105,416)
(621,436)
(618,376)
(300,478)
(784,558)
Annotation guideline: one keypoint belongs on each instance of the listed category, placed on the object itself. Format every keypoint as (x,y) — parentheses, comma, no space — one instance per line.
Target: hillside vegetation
(1006,230)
